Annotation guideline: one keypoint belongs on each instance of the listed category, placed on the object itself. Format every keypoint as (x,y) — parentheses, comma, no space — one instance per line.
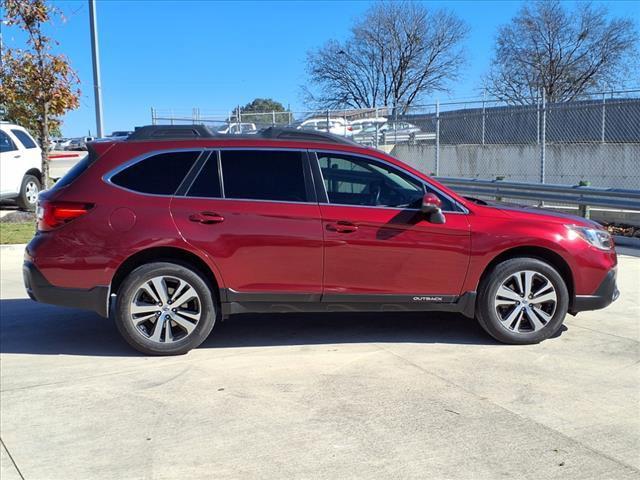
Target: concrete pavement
(319,397)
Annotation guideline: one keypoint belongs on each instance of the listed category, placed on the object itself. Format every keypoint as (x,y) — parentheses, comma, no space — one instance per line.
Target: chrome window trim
(220,176)
(203,150)
(465,210)
(315,204)
(271,149)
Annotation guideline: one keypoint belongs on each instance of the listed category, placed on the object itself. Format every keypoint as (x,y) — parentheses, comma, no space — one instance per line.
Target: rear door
(378,243)
(254,212)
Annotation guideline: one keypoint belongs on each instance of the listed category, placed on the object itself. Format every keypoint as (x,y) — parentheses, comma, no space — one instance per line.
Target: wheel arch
(35,172)
(166,254)
(541,253)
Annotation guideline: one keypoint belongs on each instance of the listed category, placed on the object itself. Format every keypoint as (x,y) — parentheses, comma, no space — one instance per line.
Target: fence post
(437,138)
(483,116)
(273,118)
(328,120)
(604,118)
(153,116)
(395,124)
(239,115)
(375,140)
(543,138)
(537,119)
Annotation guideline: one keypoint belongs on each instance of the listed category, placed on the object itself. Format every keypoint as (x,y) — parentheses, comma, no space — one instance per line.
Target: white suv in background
(20,160)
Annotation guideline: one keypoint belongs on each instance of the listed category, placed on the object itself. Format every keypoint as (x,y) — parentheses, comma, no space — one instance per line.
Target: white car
(20,160)
(79,144)
(238,128)
(358,126)
(337,126)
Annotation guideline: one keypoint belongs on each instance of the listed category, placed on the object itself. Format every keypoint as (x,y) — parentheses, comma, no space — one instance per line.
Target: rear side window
(159,174)
(25,138)
(6,144)
(264,175)
(75,171)
(207,183)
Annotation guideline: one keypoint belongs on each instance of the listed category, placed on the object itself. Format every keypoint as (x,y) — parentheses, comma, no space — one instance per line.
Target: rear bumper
(606,293)
(40,290)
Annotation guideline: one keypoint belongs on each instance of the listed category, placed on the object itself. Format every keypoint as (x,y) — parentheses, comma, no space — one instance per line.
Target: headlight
(598,238)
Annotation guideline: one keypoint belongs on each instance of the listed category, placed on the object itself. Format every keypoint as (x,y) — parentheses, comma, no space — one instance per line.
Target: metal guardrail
(571,194)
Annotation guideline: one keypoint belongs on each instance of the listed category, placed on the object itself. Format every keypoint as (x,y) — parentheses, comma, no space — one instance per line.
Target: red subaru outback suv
(176,228)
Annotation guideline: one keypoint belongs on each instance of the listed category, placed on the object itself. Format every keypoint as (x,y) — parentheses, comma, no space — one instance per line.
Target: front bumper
(606,293)
(40,290)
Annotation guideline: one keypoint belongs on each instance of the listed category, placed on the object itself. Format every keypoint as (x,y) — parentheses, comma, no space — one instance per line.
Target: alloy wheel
(31,192)
(525,302)
(165,309)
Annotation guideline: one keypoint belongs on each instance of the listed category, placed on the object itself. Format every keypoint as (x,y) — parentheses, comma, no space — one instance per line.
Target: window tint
(6,144)
(159,174)
(263,175)
(207,183)
(360,181)
(75,171)
(24,138)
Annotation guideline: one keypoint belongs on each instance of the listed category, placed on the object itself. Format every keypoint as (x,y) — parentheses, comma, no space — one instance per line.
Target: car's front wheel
(522,301)
(164,308)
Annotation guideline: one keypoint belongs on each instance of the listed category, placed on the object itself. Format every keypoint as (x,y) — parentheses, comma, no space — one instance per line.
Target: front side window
(159,174)
(264,175)
(367,182)
(25,138)
(6,144)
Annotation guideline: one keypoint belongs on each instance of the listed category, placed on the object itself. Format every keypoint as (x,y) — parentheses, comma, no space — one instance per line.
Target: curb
(13,246)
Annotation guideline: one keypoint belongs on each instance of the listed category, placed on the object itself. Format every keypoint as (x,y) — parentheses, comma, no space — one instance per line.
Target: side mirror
(431,208)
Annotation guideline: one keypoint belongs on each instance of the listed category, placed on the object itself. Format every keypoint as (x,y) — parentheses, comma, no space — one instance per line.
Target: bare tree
(565,53)
(399,52)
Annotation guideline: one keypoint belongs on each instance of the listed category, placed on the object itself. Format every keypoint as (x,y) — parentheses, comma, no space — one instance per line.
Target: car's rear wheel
(522,301)
(165,309)
(29,191)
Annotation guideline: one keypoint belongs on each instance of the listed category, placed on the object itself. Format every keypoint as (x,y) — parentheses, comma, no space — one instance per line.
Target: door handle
(206,218)
(342,226)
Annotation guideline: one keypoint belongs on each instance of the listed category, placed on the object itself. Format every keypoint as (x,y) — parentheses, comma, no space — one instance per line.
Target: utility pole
(95,57)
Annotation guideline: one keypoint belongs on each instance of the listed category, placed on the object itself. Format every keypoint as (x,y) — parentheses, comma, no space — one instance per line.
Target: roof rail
(170,132)
(280,133)
(180,132)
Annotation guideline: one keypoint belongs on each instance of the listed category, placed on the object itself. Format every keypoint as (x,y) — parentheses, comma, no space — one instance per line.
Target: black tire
(26,200)
(135,336)
(488,316)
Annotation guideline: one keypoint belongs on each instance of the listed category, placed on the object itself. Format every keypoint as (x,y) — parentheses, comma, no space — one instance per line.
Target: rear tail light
(52,215)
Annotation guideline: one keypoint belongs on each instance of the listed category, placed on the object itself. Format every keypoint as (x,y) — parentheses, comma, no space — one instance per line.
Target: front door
(377,242)
(254,213)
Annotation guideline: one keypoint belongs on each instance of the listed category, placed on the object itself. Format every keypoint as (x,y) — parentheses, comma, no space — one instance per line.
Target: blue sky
(215,55)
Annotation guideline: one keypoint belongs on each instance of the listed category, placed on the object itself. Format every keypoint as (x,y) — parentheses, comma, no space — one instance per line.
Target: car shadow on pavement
(32,328)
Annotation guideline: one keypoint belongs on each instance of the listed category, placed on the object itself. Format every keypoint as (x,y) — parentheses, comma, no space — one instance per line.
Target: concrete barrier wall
(604,165)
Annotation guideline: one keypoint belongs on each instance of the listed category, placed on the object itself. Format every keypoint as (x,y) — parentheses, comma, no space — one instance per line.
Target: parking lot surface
(331,396)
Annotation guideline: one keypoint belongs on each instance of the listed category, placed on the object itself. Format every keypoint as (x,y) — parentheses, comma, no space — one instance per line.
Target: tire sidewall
(23,203)
(130,286)
(489,318)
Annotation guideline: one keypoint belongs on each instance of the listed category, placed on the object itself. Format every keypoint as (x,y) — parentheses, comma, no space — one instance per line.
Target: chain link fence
(594,139)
